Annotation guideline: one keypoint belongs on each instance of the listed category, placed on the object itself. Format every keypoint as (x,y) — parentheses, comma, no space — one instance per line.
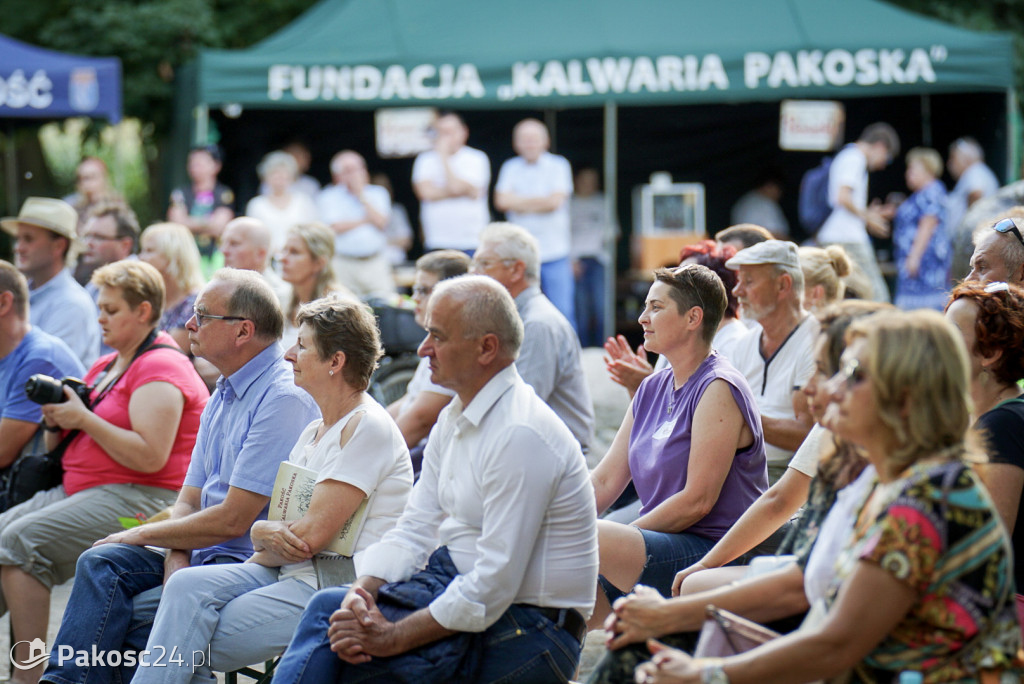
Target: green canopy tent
(547,55)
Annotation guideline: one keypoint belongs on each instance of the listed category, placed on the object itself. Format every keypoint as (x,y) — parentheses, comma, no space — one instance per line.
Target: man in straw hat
(44,234)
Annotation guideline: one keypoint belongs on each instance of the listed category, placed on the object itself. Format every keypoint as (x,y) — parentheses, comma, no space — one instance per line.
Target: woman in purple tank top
(691,442)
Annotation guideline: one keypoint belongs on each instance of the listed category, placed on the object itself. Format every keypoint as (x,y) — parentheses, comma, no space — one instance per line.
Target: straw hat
(54,215)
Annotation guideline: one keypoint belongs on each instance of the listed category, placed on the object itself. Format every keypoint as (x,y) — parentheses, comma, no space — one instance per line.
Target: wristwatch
(713,673)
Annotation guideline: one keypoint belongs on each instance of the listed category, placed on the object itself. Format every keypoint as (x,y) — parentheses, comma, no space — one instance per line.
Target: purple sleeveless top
(659,444)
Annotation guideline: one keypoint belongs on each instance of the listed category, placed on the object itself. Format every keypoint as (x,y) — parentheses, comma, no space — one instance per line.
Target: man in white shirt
(776,356)
(852,218)
(451,182)
(245,244)
(358,214)
(533,190)
(974,180)
(505,492)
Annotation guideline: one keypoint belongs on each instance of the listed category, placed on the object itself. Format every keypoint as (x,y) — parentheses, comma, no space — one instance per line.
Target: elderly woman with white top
(243,613)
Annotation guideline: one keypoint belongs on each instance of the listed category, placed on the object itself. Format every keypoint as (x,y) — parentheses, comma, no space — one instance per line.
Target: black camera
(43,389)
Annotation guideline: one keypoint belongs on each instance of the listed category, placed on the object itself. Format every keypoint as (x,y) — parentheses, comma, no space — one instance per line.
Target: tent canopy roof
(40,83)
(563,53)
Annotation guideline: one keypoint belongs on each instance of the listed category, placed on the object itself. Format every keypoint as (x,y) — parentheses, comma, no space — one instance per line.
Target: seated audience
(245,244)
(999,252)
(128,456)
(502,518)
(629,368)
(24,351)
(281,207)
(825,271)
(549,360)
(44,237)
(991,320)
(356,451)
(775,596)
(417,410)
(691,442)
(776,355)
(306,266)
(248,427)
(906,595)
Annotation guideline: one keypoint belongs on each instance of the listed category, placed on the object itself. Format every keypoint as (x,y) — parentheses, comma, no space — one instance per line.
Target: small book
(293,491)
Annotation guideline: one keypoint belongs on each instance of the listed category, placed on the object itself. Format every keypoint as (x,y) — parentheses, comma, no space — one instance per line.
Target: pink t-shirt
(87,465)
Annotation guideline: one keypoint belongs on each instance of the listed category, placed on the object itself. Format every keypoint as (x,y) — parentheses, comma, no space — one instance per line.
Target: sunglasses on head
(1008,225)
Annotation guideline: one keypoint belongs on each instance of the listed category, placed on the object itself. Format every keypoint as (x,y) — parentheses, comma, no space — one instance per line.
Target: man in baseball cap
(44,234)
(778,355)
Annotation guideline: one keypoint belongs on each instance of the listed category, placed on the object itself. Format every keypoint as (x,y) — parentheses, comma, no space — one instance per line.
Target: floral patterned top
(178,315)
(939,533)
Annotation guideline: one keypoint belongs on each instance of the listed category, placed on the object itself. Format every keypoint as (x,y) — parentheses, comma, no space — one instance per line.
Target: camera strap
(147,345)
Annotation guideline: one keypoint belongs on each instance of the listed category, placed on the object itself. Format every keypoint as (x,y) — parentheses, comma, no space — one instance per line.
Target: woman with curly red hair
(991,319)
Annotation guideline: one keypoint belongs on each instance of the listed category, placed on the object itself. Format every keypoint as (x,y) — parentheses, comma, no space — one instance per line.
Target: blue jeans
(589,300)
(522,646)
(556,282)
(112,604)
(667,553)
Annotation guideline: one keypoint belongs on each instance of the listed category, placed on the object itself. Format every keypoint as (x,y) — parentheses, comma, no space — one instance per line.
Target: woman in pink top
(127,459)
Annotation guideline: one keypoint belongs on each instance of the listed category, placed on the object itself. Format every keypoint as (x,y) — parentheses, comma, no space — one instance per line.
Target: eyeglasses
(484,264)
(851,374)
(685,270)
(100,238)
(202,318)
(1008,225)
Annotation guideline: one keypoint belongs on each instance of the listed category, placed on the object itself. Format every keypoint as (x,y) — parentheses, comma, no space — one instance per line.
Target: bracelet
(51,428)
(712,672)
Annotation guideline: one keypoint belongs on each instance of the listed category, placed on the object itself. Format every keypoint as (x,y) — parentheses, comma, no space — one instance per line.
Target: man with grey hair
(974,180)
(503,519)
(550,358)
(999,252)
(358,213)
(777,355)
(245,244)
(24,351)
(248,427)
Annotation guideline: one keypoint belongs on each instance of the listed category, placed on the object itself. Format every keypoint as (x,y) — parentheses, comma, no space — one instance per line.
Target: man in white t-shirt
(358,214)
(852,218)
(776,356)
(451,182)
(417,410)
(533,190)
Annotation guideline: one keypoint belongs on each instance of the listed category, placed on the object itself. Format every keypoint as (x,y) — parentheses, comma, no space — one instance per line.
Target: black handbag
(33,473)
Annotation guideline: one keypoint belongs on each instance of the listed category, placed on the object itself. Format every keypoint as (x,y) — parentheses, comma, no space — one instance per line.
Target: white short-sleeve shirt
(456,222)
(549,175)
(849,169)
(375,460)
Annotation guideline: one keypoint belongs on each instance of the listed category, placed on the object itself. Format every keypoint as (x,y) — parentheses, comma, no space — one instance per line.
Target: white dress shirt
(505,487)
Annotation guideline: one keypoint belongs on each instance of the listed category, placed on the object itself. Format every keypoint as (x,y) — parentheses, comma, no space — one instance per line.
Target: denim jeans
(113,600)
(101,611)
(589,301)
(522,646)
(667,553)
(557,284)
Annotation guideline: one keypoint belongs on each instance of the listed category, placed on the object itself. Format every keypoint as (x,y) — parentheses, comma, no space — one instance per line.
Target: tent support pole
(611,191)
(10,169)
(551,121)
(201,115)
(1013,161)
(926,120)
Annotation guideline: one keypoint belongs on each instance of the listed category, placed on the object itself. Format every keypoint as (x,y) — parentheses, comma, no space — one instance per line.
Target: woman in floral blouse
(925,582)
